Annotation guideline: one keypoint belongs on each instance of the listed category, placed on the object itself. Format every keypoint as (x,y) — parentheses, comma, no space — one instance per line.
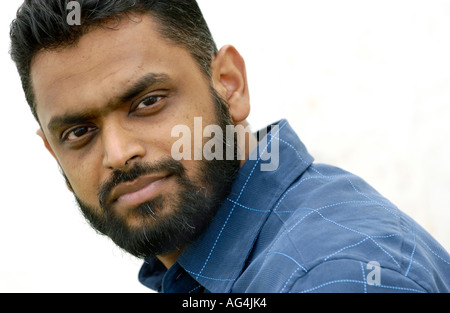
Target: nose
(121,146)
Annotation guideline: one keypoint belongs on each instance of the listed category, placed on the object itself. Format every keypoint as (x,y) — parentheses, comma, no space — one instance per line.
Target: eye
(148,102)
(77,133)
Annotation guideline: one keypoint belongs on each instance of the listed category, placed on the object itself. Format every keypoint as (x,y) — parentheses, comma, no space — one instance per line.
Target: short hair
(42,25)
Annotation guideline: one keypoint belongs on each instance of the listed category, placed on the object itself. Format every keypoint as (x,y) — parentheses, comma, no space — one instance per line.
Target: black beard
(191,209)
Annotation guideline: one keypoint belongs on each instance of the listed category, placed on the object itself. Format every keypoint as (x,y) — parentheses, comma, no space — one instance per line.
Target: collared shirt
(304,227)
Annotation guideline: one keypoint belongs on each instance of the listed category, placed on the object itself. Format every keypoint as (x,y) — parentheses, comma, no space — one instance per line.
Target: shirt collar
(218,257)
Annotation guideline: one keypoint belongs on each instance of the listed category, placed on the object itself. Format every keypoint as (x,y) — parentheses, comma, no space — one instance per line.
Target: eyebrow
(145,82)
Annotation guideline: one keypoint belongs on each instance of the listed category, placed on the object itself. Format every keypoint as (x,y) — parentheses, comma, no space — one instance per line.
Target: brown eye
(80,131)
(77,133)
(148,102)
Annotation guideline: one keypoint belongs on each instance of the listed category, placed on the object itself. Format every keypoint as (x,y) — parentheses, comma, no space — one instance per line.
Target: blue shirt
(304,228)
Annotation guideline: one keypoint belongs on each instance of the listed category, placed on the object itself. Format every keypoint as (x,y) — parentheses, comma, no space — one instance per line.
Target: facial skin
(109,103)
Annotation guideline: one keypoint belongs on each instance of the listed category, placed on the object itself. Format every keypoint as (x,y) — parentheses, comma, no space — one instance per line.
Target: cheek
(187,144)
(84,178)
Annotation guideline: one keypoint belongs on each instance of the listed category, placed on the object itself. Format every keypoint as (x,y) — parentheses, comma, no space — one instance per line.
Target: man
(113,93)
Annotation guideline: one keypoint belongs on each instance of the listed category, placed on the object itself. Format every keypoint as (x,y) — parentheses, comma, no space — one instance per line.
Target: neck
(169,259)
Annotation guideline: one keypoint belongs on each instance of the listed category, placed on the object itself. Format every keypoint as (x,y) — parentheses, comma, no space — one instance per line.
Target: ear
(230,80)
(41,134)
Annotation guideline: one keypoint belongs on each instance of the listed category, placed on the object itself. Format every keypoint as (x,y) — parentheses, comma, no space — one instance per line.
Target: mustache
(118,176)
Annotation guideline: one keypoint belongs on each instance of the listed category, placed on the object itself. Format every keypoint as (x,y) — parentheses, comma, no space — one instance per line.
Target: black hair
(42,25)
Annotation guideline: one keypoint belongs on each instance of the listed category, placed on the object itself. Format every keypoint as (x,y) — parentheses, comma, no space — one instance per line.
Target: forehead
(101,64)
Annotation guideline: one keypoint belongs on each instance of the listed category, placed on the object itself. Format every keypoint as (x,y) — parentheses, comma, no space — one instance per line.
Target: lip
(143,189)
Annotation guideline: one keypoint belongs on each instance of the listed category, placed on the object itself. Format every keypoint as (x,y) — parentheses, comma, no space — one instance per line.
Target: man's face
(107,107)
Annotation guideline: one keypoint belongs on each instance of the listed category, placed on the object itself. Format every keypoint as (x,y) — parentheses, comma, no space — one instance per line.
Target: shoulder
(330,231)
(358,276)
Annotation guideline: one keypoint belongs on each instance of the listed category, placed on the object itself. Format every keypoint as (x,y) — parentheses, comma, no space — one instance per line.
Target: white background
(366,84)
